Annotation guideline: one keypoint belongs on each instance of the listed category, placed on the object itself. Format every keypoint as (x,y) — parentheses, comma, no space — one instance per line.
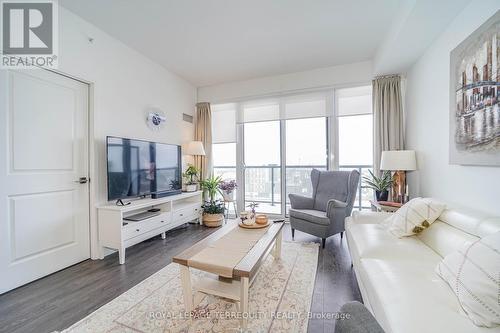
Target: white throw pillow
(473,273)
(414,216)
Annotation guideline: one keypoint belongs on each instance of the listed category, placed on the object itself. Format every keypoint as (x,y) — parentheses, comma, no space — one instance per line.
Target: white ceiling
(214,41)
(417,24)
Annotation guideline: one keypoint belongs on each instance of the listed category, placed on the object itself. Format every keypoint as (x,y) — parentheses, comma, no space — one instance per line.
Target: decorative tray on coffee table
(255,225)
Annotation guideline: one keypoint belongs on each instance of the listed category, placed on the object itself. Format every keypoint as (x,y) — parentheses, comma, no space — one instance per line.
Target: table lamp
(194,148)
(398,161)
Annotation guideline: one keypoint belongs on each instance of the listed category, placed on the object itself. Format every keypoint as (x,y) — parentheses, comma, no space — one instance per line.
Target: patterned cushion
(414,216)
(473,273)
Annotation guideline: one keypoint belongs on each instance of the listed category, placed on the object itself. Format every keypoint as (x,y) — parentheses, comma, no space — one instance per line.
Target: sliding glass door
(262,166)
(271,145)
(355,136)
(306,149)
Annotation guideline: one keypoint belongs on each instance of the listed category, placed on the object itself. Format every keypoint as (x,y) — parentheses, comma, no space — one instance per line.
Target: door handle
(82,180)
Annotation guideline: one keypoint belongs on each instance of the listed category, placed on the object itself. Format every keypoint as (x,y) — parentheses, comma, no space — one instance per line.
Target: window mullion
(333,148)
(283,166)
(283,155)
(240,167)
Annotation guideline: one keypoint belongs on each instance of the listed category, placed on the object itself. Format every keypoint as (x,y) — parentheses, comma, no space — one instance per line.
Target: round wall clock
(155,118)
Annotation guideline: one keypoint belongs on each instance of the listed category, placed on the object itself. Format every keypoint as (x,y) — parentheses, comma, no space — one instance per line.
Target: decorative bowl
(261,219)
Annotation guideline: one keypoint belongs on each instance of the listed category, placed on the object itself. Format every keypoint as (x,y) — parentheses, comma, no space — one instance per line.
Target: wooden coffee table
(243,274)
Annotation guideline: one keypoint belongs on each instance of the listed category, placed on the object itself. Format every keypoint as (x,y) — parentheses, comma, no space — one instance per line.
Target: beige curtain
(203,133)
(388,121)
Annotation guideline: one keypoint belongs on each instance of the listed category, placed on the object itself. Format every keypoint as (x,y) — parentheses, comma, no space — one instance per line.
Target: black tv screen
(139,168)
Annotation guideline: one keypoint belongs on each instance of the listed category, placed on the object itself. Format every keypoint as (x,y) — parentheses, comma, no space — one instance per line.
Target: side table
(380,207)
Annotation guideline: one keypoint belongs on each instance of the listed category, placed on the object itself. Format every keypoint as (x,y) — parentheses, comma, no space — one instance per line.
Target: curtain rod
(281,93)
(387,76)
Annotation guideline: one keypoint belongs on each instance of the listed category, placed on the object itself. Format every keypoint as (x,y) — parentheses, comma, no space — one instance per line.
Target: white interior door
(44,211)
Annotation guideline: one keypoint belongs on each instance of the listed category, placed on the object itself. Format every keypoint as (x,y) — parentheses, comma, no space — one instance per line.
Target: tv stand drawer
(188,213)
(134,229)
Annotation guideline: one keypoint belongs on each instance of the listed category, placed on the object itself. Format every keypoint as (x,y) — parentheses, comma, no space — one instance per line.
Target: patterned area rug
(279,301)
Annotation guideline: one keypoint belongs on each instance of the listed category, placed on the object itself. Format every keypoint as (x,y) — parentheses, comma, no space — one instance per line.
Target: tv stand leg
(163,235)
(121,255)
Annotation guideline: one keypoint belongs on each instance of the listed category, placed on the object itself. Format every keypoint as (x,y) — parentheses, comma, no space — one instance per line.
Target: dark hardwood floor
(63,298)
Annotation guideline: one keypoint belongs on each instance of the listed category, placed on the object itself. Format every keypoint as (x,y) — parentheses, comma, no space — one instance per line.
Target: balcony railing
(263,184)
(364,195)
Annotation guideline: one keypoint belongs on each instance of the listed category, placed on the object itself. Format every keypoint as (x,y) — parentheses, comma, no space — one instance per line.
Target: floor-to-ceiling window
(305,144)
(306,149)
(262,163)
(284,138)
(224,160)
(280,140)
(355,135)
(224,142)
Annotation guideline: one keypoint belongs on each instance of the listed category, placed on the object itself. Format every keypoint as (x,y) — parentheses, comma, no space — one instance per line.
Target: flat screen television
(139,168)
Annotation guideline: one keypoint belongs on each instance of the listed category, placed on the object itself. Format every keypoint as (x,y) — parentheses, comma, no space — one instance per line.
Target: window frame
(336,146)
(332,146)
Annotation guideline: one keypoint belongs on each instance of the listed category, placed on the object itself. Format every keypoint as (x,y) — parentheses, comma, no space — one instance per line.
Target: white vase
(228,196)
(191,187)
(247,218)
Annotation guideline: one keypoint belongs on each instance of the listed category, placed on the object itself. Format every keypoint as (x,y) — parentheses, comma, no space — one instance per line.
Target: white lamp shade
(194,148)
(398,160)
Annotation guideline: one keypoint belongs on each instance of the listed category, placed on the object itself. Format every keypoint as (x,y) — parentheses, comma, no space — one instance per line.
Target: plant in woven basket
(213,210)
(215,207)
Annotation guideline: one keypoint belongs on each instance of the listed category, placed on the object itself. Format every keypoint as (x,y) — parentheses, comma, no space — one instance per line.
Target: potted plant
(191,176)
(213,213)
(253,206)
(380,184)
(213,210)
(227,189)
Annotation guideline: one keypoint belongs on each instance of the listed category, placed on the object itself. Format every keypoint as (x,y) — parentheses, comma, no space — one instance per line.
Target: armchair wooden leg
(323,242)
(293,233)
(341,234)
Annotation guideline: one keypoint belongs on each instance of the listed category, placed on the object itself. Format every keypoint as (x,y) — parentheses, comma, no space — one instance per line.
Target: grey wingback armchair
(333,196)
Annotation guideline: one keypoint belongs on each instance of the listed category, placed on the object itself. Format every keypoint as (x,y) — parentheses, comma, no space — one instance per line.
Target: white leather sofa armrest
(368,217)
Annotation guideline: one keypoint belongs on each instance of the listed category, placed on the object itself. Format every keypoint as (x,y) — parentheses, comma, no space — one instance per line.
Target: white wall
(124,84)
(428,117)
(342,75)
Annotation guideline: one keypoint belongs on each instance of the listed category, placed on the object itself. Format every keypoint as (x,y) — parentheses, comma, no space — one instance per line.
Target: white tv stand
(118,234)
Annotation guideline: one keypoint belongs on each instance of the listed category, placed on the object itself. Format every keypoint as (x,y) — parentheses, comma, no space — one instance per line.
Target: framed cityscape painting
(475,97)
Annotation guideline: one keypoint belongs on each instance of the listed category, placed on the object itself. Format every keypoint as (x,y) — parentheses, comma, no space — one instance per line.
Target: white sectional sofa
(397,276)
